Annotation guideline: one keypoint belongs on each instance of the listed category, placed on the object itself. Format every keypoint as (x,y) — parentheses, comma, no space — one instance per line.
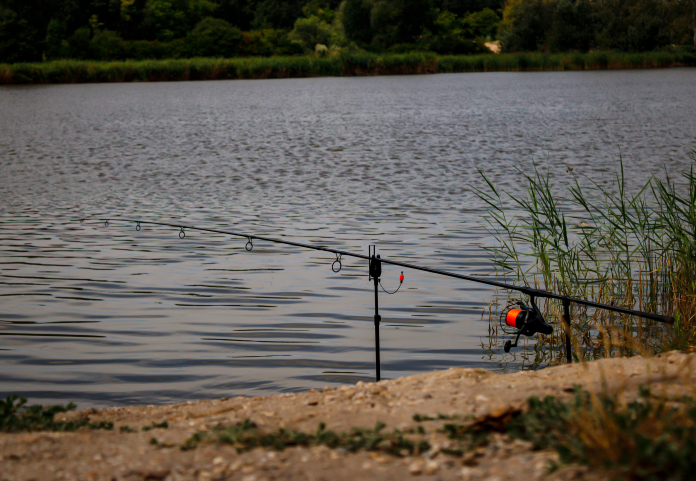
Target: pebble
(469,473)
(431,467)
(469,459)
(416,468)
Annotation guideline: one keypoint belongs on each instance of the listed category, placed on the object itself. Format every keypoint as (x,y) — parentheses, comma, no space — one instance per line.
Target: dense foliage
(35,30)
(39,30)
(626,25)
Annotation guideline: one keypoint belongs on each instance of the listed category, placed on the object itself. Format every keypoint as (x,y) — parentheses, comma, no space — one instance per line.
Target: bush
(310,32)
(213,37)
(108,45)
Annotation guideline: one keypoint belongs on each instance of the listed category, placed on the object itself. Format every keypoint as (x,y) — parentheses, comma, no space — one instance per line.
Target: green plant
(245,436)
(154,425)
(16,416)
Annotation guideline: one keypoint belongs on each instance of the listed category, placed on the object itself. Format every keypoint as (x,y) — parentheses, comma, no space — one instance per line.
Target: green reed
(630,248)
(338,64)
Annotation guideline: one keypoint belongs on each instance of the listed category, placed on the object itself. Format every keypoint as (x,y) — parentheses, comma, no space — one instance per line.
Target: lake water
(111,316)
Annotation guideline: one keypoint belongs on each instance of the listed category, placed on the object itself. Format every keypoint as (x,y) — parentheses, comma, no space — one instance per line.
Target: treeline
(40,30)
(35,30)
(583,25)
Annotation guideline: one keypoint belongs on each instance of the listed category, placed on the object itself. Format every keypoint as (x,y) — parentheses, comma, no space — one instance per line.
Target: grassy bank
(73,71)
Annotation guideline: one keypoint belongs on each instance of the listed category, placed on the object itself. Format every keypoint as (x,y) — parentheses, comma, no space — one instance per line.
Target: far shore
(345,64)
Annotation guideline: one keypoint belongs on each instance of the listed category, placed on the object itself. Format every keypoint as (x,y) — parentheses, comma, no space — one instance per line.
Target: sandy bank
(132,456)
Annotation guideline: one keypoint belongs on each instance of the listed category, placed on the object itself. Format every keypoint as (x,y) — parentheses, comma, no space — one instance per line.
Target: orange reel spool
(513,316)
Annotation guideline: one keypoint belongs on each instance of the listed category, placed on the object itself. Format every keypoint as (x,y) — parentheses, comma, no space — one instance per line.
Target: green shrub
(16,416)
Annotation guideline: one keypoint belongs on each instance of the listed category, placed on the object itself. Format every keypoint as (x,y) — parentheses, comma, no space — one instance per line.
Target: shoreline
(343,65)
(154,442)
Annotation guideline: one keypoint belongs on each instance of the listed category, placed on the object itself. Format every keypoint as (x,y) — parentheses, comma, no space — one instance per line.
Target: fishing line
(401,281)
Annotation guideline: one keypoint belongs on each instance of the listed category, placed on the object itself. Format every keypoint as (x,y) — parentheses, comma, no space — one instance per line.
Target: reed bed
(342,64)
(606,243)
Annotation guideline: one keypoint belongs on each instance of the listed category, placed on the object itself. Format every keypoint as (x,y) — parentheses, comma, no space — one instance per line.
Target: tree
(166,19)
(237,12)
(276,13)
(573,26)
(18,40)
(108,45)
(460,36)
(56,36)
(355,17)
(214,37)
(310,32)
(400,21)
(463,7)
(525,25)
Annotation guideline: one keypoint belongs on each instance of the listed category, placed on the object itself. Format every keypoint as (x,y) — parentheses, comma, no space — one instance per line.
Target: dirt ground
(116,455)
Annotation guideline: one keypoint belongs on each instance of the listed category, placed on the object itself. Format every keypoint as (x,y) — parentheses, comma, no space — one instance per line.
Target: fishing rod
(527,320)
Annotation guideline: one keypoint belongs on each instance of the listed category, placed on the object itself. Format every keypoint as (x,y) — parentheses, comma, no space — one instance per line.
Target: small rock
(218,460)
(377,388)
(469,473)
(469,459)
(432,467)
(416,468)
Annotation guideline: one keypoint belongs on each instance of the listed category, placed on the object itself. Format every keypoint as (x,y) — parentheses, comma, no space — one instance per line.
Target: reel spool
(526,321)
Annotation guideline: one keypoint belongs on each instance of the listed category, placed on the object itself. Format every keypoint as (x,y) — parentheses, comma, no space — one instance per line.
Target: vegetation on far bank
(46,30)
(76,71)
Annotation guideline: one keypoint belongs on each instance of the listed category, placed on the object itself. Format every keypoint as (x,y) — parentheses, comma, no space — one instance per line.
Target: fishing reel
(526,321)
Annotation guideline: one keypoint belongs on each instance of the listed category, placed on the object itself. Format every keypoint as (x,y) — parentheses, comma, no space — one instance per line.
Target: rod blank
(523,289)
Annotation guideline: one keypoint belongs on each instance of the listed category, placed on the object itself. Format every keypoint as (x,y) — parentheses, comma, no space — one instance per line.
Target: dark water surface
(111,316)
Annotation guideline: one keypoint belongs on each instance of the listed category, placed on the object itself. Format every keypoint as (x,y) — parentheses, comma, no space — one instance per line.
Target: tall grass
(635,249)
(342,64)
